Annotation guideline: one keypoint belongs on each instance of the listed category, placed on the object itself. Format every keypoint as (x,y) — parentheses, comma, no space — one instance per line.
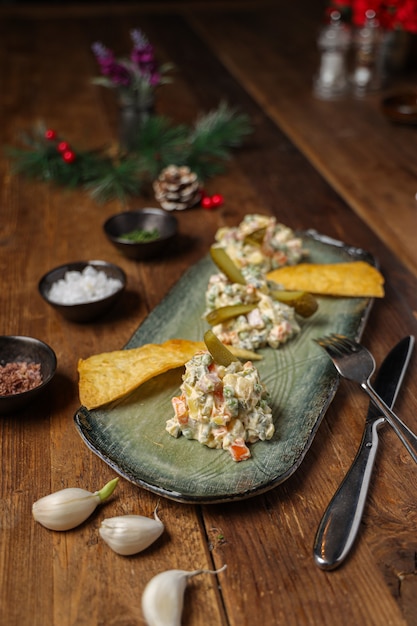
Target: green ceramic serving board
(130,436)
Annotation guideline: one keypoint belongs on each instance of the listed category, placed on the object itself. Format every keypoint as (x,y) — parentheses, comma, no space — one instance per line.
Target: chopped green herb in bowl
(141,235)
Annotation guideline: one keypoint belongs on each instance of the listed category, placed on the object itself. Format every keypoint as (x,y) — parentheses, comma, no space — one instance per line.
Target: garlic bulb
(163,597)
(67,508)
(129,534)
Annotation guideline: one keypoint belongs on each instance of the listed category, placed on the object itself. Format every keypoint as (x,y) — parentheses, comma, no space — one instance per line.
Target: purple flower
(141,68)
(119,75)
(109,66)
(139,39)
(143,57)
(155,79)
(103,55)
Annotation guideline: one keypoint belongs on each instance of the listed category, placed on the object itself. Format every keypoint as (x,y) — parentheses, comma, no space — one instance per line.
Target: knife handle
(340,523)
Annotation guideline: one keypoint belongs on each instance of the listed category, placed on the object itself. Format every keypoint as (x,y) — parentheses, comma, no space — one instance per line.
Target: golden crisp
(111,375)
(355,279)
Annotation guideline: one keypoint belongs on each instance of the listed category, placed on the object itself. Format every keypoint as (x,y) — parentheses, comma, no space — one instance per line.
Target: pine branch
(212,137)
(204,147)
(160,144)
(221,129)
(117,181)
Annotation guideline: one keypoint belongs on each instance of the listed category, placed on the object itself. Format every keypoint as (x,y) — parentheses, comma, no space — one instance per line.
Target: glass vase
(132,116)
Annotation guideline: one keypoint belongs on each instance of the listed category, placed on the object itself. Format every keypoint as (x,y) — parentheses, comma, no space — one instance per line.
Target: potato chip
(111,375)
(355,279)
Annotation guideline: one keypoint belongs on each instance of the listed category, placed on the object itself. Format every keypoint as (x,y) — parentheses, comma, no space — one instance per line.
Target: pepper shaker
(366,73)
(334,42)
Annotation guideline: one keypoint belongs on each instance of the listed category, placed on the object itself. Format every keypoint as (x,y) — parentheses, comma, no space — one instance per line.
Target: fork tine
(333,351)
(343,344)
(349,345)
(325,340)
(345,341)
(340,341)
(329,344)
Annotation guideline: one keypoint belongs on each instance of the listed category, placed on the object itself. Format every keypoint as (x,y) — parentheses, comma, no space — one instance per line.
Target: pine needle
(160,144)
(117,181)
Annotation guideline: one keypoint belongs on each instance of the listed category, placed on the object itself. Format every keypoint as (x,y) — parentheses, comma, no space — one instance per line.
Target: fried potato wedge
(355,279)
(109,376)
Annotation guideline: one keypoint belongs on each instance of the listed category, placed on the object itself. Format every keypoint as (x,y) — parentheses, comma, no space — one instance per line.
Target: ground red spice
(19,377)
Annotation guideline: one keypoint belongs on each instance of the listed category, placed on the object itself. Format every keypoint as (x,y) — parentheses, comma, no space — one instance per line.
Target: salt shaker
(334,42)
(366,41)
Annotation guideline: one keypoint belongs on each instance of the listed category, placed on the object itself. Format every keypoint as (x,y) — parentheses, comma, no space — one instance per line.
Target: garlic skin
(130,534)
(68,508)
(163,596)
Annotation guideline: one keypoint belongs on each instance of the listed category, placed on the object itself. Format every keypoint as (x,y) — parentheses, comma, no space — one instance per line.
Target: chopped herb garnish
(140,235)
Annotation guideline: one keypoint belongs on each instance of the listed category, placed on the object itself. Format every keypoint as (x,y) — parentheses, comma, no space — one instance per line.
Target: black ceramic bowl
(88,310)
(147,220)
(15,349)
(401,108)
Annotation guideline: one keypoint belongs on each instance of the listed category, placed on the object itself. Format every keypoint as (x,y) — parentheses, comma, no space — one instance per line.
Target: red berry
(63,146)
(207,202)
(68,156)
(217,199)
(50,134)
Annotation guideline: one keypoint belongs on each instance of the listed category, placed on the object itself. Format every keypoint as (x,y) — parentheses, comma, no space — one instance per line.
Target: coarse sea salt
(85,286)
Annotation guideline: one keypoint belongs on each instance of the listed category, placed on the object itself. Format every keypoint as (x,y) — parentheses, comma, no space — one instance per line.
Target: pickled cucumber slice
(218,351)
(225,313)
(226,265)
(303,303)
(256,238)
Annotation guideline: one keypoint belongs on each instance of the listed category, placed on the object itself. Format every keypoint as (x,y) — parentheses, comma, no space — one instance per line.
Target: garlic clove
(163,596)
(130,534)
(67,508)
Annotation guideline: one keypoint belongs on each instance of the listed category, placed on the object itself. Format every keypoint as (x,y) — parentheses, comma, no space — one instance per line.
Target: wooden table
(338,167)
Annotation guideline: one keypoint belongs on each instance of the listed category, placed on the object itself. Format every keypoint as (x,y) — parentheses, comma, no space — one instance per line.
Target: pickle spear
(225,313)
(303,303)
(219,352)
(226,265)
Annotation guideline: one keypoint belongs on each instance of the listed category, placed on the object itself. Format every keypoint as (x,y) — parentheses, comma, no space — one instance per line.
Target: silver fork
(354,362)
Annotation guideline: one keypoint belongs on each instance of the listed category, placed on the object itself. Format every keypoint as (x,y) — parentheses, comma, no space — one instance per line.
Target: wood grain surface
(338,167)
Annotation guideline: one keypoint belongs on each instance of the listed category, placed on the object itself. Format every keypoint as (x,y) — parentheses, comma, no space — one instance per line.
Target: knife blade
(339,525)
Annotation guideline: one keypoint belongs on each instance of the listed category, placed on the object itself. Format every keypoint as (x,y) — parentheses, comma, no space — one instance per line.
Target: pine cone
(177,188)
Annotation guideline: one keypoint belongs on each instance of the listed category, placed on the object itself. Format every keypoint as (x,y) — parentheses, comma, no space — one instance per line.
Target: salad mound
(261,243)
(222,406)
(268,323)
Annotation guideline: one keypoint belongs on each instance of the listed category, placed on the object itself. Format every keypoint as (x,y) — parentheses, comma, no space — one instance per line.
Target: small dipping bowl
(142,219)
(14,349)
(88,310)
(401,108)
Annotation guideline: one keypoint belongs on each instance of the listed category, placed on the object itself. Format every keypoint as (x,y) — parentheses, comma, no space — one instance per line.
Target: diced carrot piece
(239,450)
(180,408)
(219,396)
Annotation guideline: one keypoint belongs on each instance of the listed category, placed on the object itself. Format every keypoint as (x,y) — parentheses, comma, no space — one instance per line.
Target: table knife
(340,523)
